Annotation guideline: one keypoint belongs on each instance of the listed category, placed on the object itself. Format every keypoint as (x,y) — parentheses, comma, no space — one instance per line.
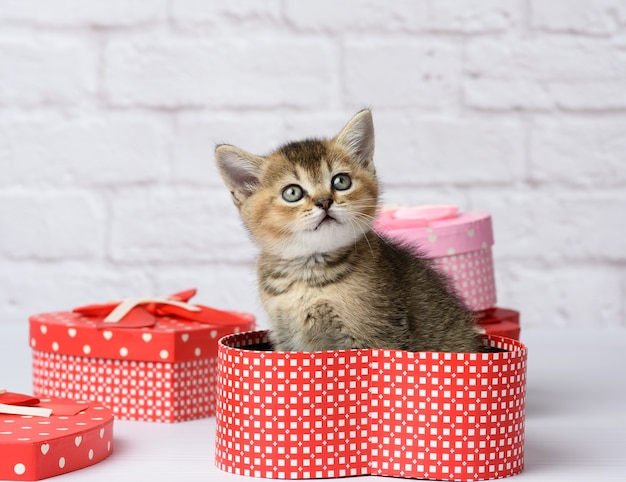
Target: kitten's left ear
(358,138)
(240,171)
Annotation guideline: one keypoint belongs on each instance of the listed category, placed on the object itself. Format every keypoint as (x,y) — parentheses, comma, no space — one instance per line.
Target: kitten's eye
(341,182)
(293,193)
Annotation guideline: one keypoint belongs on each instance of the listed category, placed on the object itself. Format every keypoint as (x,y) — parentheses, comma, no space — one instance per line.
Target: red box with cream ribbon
(44,438)
(146,359)
(425,415)
(459,243)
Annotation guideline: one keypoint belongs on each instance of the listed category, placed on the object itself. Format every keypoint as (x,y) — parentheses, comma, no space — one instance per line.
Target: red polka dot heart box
(459,243)
(439,416)
(146,359)
(51,437)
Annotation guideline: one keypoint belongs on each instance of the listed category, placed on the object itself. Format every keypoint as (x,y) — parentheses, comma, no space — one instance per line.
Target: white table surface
(575,416)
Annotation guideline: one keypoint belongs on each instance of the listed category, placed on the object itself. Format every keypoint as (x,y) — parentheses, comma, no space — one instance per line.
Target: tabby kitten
(326,279)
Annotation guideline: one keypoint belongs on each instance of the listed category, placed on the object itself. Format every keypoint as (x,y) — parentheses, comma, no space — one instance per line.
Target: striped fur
(326,279)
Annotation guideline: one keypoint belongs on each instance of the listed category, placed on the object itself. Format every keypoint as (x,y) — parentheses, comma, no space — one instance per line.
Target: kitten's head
(307,197)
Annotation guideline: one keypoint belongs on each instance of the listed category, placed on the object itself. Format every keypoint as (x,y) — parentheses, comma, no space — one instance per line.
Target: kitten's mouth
(328,219)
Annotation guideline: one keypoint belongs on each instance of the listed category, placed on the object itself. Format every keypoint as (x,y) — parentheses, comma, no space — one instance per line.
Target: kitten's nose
(324,203)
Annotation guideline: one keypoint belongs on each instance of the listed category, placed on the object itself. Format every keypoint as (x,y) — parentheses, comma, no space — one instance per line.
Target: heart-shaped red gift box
(426,415)
(49,437)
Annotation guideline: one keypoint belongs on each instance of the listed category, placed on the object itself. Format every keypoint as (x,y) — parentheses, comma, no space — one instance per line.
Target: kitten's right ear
(358,138)
(240,171)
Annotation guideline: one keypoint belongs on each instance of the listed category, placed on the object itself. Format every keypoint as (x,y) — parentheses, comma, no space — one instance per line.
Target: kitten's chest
(293,304)
(298,292)
(312,318)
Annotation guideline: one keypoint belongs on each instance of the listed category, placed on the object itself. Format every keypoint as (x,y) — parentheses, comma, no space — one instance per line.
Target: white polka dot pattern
(472,274)
(443,416)
(459,244)
(134,390)
(34,448)
(170,339)
(163,373)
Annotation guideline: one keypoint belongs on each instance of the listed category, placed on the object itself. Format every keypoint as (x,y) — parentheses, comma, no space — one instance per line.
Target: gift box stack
(459,244)
(441,416)
(148,359)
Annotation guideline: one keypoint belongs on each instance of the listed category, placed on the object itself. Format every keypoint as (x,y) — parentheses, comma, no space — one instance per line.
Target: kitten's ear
(240,170)
(358,138)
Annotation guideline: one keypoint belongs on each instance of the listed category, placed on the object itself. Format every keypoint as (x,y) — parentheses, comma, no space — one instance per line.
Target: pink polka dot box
(149,359)
(437,416)
(459,243)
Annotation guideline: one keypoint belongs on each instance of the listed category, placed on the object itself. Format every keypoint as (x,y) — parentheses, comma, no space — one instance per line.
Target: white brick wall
(109,113)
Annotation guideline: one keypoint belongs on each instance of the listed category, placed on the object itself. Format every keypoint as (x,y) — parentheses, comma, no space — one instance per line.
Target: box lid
(438,230)
(36,447)
(162,338)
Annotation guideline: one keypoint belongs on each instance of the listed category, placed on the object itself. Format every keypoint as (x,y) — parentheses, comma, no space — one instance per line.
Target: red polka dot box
(500,321)
(438,416)
(459,243)
(48,437)
(146,359)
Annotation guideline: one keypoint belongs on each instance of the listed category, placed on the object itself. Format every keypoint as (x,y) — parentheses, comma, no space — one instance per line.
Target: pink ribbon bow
(143,312)
(414,217)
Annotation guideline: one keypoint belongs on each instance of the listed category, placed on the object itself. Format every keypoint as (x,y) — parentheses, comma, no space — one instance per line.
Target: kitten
(326,279)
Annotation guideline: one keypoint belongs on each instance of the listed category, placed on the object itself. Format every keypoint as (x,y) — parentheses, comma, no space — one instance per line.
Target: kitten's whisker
(354,222)
(383,239)
(368,241)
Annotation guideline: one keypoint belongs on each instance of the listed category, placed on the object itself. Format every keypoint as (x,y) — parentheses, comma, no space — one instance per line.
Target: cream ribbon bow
(121,310)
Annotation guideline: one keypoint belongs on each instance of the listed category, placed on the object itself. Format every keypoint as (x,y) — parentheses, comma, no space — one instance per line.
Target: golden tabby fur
(326,279)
